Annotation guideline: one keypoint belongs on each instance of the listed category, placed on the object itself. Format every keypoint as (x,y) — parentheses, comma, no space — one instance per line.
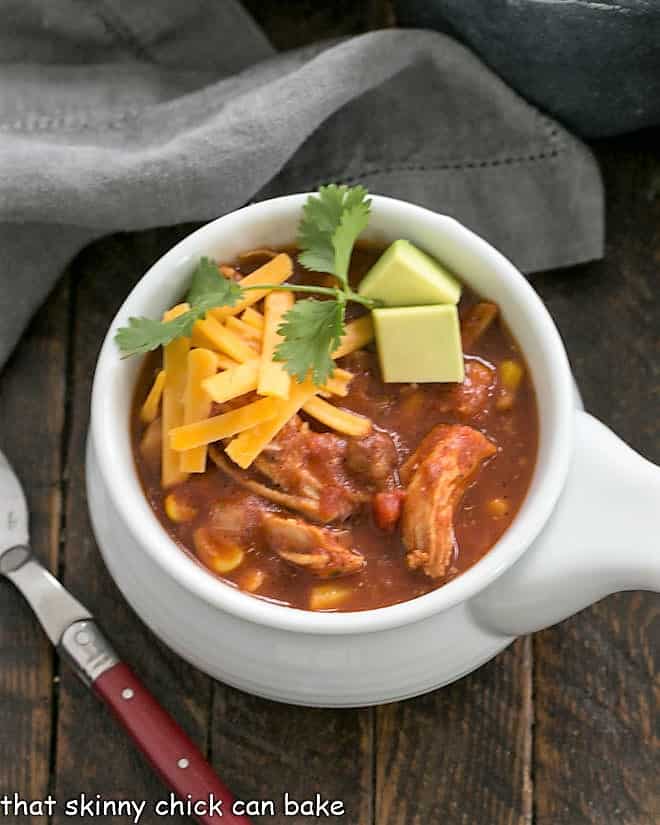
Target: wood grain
(93,755)
(32,389)
(559,731)
(597,737)
(461,754)
(597,752)
(307,21)
(263,749)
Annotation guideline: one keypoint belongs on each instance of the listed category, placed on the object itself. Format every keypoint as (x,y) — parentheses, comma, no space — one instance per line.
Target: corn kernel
(498,507)
(510,373)
(328,596)
(219,556)
(252,580)
(178,510)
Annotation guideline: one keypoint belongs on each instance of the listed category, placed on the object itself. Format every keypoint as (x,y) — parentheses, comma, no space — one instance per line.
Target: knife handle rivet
(82,638)
(127,693)
(183,763)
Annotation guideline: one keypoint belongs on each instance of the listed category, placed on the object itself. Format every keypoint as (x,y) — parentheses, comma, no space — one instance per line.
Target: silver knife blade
(54,606)
(13,509)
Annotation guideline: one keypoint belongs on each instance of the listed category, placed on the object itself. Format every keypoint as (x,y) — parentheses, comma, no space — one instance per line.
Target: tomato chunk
(387,508)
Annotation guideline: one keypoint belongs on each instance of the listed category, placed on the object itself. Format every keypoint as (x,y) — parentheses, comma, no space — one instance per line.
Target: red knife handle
(168,749)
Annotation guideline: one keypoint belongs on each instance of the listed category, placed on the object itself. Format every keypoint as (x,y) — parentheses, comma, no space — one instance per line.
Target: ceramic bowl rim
(119,475)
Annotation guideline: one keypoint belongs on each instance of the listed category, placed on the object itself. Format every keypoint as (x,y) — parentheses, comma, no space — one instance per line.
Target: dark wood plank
(597,719)
(93,756)
(321,751)
(264,749)
(32,389)
(461,754)
(307,21)
(596,685)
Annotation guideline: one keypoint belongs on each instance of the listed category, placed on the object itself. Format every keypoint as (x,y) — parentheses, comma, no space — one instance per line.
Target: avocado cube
(419,344)
(405,276)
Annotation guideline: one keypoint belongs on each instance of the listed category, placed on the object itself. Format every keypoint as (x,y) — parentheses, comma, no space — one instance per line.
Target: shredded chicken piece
(307,506)
(437,475)
(311,467)
(474,395)
(372,459)
(322,475)
(315,549)
(237,518)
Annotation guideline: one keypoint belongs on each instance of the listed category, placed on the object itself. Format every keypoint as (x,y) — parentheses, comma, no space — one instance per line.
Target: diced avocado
(405,276)
(419,343)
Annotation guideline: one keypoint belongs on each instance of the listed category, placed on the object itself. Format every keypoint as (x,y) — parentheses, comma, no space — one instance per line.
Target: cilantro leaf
(311,330)
(353,222)
(208,289)
(315,234)
(331,223)
(144,334)
(323,215)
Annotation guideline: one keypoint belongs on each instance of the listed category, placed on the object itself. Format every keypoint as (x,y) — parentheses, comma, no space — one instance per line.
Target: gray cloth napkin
(128,114)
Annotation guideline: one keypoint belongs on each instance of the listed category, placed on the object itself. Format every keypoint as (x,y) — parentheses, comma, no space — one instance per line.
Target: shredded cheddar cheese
(358,334)
(275,271)
(175,358)
(247,446)
(253,317)
(201,338)
(248,332)
(233,382)
(342,421)
(273,378)
(202,364)
(223,339)
(149,409)
(338,383)
(188,436)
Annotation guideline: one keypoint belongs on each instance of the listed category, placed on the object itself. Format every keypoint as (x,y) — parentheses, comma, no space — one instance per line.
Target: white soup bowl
(588,527)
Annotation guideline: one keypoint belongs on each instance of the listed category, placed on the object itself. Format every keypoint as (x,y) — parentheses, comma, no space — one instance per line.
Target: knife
(78,639)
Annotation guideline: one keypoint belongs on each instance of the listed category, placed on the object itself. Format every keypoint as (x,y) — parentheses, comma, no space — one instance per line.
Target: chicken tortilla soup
(335,426)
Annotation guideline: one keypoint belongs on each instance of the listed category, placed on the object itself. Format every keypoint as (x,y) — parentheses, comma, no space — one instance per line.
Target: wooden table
(560,729)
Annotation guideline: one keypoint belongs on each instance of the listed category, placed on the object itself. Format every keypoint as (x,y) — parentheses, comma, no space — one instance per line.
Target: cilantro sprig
(207,290)
(311,330)
(330,225)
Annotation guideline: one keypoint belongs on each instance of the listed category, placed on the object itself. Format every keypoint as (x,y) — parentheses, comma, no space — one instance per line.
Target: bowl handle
(603,537)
